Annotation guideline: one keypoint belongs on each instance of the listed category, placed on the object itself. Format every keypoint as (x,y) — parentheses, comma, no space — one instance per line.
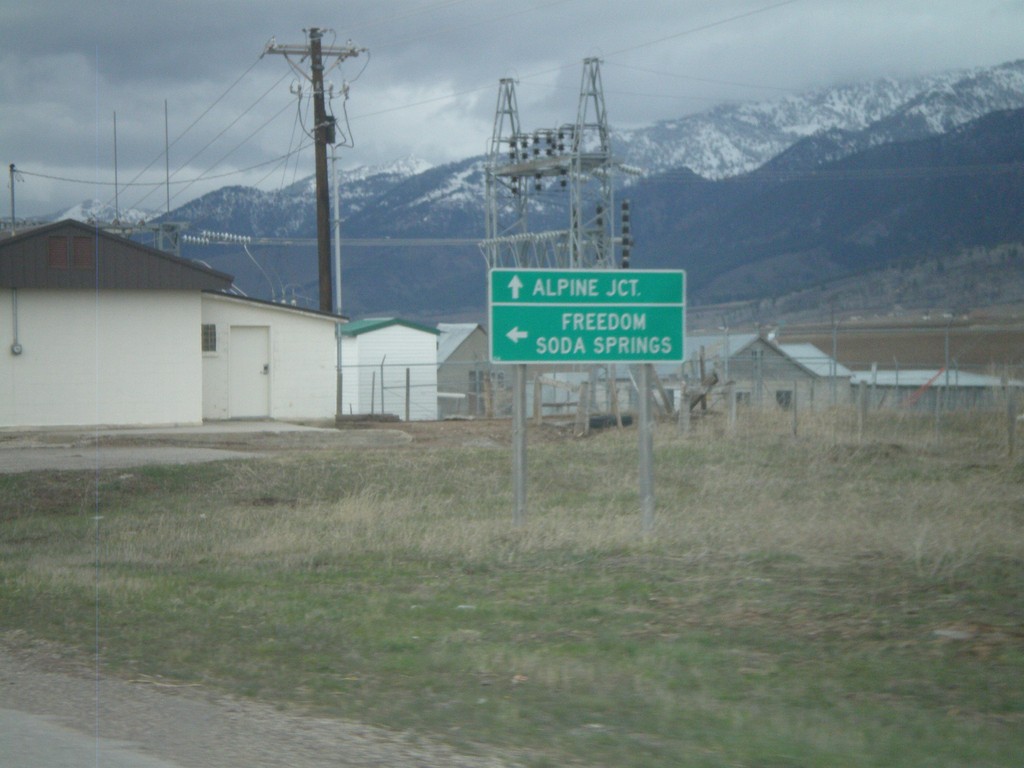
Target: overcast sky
(428,86)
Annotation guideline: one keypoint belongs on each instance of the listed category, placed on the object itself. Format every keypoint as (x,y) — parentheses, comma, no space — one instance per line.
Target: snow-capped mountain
(291,211)
(795,132)
(98,211)
(765,141)
(734,139)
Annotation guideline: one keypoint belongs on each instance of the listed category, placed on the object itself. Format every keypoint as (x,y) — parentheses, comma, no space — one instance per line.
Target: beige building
(463,370)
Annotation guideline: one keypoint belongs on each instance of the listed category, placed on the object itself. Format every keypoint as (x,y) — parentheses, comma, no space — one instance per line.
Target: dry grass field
(821,600)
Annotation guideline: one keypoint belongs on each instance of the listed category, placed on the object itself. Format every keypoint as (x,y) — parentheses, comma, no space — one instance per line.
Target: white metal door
(249,372)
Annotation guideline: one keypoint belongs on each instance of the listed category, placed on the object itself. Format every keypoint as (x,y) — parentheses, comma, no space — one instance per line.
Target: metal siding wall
(399,347)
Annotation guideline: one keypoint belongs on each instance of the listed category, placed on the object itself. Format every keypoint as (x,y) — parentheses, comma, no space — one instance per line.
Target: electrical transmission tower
(576,157)
(323,134)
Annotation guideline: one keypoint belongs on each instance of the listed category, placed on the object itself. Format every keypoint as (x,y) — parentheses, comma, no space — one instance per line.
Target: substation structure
(525,169)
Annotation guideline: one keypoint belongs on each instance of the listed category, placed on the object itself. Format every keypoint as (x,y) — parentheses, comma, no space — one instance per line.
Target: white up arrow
(515,335)
(516,284)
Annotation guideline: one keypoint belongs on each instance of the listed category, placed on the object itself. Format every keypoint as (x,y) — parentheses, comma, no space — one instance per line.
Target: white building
(263,360)
(99,330)
(924,390)
(389,366)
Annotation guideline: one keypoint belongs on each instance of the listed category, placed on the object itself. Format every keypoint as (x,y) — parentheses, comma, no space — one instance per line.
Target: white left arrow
(516,285)
(515,335)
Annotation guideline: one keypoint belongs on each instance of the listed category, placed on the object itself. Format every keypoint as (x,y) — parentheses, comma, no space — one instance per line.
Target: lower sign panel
(530,333)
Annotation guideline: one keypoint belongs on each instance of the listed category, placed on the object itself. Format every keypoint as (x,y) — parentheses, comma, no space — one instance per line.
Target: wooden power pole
(323,134)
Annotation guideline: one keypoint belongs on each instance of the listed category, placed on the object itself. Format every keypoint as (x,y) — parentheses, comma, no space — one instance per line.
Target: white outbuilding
(263,360)
(389,367)
(98,330)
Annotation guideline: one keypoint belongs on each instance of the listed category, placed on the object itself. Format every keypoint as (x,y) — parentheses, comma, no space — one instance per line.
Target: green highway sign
(586,316)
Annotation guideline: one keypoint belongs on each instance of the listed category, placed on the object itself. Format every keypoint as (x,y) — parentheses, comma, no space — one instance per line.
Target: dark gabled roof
(97,260)
(375,323)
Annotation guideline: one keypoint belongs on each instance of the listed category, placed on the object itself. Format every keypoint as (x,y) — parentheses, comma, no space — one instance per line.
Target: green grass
(793,607)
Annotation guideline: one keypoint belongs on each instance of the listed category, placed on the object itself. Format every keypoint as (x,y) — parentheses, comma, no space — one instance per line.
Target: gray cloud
(430,81)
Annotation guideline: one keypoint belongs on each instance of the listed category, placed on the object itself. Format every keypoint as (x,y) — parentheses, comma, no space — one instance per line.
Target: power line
(703,27)
(846,174)
(222,132)
(203,177)
(552,70)
(194,122)
(709,80)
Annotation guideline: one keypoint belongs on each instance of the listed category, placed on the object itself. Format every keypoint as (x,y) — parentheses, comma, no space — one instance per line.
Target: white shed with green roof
(389,367)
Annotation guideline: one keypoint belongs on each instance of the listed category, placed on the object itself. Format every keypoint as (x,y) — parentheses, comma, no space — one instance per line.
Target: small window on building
(209,337)
(784,397)
(57,254)
(83,254)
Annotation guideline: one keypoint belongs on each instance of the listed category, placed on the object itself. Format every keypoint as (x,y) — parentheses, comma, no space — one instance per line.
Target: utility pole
(323,134)
(13,171)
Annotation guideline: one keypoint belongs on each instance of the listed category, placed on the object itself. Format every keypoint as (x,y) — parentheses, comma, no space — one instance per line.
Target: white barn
(389,366)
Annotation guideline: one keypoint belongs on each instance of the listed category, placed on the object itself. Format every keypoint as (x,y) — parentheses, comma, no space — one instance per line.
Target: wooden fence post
(862,405)
(1011,423)
(583,410)
(795,399)
(538,400)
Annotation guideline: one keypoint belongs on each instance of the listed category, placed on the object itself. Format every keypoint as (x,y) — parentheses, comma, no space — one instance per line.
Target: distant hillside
(754,200)
(771,232)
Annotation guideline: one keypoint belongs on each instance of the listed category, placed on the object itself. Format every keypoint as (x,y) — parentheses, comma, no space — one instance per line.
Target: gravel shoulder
(188,726)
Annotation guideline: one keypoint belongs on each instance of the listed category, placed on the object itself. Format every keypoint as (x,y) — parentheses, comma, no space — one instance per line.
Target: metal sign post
(645,449)
(519,445)
(557,316)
